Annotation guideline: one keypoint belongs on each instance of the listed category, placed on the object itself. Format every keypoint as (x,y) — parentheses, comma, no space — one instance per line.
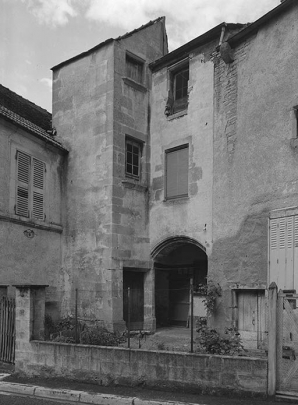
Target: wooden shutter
(283,237)
(177,173)
(38,190)
(22,184)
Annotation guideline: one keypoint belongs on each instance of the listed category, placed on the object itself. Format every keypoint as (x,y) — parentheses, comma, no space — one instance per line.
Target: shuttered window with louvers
(23,180)
(38,190)
(177,172)
(283,250)
(30,187)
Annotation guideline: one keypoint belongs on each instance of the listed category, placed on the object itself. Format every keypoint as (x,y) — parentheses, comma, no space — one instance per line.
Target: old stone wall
(254,163)
(34,259)
(106,365)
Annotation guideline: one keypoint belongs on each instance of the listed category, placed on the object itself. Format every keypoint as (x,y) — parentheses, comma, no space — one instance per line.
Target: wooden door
(251,318)
(135,281)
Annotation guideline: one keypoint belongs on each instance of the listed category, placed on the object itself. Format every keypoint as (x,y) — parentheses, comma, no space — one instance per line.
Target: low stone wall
(160,369)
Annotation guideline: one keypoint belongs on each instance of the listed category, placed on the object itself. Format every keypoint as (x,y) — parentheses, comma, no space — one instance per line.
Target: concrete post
(149,300)
(272,308)
(30,312)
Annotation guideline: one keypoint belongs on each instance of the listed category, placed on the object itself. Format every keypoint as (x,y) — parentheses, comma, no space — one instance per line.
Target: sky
(39,34)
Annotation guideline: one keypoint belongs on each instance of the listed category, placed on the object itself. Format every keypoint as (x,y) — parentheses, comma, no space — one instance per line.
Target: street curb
(79,397)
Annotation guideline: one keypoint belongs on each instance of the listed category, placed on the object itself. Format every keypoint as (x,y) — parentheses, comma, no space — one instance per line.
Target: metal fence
(7,330)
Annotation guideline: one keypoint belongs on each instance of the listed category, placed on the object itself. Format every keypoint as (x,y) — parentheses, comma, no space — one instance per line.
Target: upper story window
(30,186)
(178,88)
(134,68)
(133,152)
(176,175)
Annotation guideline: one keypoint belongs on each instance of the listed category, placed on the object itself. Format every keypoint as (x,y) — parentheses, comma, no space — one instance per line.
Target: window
(177,172)
(30,187)
(134,69)
(132,158)
(178,91)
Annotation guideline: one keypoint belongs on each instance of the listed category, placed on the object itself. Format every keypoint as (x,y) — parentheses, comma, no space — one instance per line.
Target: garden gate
(287,344)
(7,329)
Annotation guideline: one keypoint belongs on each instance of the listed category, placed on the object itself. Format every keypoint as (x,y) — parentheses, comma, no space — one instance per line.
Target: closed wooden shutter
(22,184)
(38,190)
(177,172)
(283,255)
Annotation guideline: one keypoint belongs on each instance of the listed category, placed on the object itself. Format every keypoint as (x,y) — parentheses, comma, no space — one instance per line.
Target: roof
(27,115)
(106,42)
(253,27)
(185,49)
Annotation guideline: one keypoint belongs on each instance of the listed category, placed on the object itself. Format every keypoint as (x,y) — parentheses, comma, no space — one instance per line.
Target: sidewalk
(84,393)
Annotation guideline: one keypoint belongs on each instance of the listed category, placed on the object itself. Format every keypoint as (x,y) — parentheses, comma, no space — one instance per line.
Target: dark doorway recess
(176,263)
(135,281)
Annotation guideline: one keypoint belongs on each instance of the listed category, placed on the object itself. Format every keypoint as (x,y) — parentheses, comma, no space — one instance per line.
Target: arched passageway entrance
(176,262)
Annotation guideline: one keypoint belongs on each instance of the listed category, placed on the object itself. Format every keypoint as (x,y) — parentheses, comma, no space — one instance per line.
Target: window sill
(176,200)
(134,186)
(135,85)
(29,223)
(177,115)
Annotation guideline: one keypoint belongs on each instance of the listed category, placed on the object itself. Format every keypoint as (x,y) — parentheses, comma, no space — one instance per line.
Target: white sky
(38,34)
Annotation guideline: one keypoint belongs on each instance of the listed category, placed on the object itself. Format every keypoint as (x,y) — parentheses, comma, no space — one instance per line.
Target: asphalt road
(16,400)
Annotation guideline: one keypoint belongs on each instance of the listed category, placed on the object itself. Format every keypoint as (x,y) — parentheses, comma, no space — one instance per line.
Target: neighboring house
(31,168)
(255,168)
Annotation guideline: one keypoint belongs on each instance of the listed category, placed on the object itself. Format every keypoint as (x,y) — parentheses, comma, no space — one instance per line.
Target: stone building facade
(181,165)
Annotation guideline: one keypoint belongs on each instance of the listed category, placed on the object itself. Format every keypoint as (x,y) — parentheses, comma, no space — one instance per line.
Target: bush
(210,341)
(100,336)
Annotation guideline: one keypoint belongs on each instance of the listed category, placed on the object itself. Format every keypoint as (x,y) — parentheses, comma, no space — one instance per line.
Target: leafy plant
(100,336)
(210,341)
(211,292)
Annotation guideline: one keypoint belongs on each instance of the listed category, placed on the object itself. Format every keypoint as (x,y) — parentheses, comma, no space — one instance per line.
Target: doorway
(135,281)
(176,264)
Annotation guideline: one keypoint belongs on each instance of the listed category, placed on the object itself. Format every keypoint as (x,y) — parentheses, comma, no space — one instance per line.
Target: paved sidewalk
(69,392)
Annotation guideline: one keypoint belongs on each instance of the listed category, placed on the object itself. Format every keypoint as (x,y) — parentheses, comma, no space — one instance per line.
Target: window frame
(133,60)
(176,105)
(167,153)
(34,182)
(134,143)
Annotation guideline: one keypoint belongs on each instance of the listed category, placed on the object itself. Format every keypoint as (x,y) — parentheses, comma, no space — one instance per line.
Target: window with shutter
(134,69)
(23,180)
(283,250)
(177,172)
(30,187)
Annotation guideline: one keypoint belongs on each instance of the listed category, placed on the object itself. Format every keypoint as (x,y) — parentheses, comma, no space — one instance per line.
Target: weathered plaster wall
(184,216)
(255,168)
(83,116)
(37,259)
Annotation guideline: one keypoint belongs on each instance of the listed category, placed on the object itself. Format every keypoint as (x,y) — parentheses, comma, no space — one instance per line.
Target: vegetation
(210,341)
